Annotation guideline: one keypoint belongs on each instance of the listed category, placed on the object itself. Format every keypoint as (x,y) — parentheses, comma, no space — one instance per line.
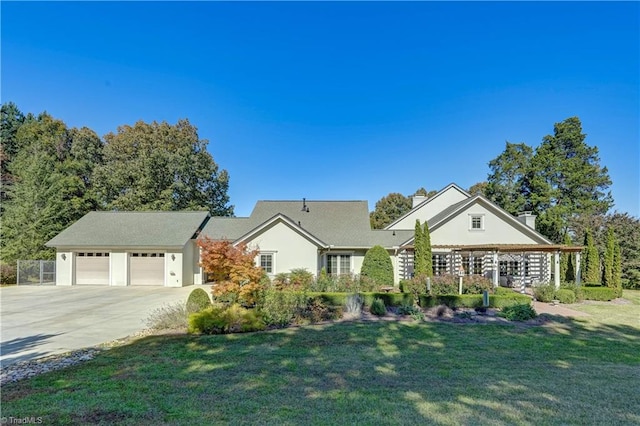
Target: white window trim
(474,216)
(273,261)
(339,254)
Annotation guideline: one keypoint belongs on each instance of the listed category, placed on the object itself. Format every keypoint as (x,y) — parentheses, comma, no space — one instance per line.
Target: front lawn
(381,372)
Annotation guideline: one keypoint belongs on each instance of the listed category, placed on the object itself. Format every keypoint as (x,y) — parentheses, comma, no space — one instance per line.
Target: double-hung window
(338,264)
(267,262)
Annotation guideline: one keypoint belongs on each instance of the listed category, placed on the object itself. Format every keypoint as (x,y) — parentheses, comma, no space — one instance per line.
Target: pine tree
(591,260)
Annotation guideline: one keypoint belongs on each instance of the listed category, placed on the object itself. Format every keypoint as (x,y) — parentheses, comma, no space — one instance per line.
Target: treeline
(52,175)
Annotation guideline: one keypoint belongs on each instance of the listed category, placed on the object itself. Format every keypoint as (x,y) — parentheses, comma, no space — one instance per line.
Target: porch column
(556,269)
(578,267)
(495,269)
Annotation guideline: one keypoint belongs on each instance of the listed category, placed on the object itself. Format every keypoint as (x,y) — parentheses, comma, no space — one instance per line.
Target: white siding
(64,268)
(433,207)
(496,230)
(292,250)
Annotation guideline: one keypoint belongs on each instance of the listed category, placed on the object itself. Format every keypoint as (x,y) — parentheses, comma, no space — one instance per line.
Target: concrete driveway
(38,321)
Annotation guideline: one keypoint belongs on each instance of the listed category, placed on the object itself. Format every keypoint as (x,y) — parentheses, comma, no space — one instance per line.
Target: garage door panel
(92,270)
(146,270)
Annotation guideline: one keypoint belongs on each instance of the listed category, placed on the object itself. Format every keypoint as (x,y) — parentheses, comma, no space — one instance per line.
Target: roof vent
(305,208)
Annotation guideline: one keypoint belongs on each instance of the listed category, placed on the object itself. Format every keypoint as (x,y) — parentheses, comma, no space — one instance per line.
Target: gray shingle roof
(337,223)
(131,229)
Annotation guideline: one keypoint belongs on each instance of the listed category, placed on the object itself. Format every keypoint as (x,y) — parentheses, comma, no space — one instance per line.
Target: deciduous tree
(159,166)
(233,270)
(388,209)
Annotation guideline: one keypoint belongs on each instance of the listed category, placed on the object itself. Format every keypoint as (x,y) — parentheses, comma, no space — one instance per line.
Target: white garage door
(146,268)
(92,268)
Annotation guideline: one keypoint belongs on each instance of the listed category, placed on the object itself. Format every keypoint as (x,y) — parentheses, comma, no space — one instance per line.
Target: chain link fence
(36,272)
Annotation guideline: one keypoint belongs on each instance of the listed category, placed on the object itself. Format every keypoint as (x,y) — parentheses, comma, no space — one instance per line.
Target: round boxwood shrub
(378,308)
(377,266)
(564,295)
(197,301)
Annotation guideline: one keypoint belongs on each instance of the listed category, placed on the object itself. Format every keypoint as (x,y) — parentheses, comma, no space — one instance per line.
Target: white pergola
(545,259)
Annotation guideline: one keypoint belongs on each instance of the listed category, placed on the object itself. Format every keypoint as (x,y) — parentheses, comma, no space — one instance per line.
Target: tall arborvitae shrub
(567,268)
(419,267)
(591,260)
(607,270)
(426,247)
(617,267)
(377,266)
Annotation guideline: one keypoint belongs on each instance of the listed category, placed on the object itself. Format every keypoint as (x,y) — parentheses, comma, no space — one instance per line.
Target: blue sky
(339,100)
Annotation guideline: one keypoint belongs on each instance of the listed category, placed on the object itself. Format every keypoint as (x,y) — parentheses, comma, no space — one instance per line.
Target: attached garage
(146,269)
(92,268)
(130,249)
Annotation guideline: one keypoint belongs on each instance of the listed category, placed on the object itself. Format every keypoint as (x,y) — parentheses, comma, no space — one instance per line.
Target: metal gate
(36,272)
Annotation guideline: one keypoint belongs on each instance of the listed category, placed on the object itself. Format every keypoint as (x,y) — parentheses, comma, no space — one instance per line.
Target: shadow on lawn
(371,373)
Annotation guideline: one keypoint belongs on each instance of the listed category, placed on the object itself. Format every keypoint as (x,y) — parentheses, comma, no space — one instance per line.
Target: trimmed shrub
(222,320)
(502,291)
(565,295)
(279,307)
(377,266)
(389,299)
(169,317)
(576,289)
(522,312)
(198,300)
(455,301)
(8,274)
(378,308)
(599,293)
(331,298)
(544,293)
(444,284)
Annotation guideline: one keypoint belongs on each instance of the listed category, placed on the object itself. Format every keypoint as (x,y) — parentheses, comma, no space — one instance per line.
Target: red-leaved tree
(232,268)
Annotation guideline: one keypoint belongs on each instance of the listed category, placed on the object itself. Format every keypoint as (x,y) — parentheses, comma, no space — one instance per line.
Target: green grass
(627,313)
(585,371)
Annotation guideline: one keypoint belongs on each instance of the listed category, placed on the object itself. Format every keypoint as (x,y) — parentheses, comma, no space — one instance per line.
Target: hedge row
(473,300)
(427,301)
(599,293)
(390,299)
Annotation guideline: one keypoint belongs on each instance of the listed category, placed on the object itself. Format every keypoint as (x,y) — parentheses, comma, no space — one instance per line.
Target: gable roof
(451,186)
(131,229)
(333,223)
(451,211)
(280,218)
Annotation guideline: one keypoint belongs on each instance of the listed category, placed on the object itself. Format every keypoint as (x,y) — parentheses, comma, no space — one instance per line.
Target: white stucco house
(469,235)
